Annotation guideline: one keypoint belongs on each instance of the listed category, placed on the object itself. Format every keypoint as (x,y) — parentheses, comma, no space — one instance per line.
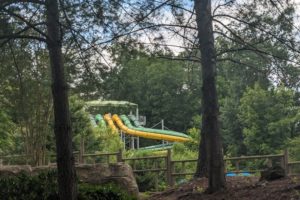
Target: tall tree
(62,124)
(211,148)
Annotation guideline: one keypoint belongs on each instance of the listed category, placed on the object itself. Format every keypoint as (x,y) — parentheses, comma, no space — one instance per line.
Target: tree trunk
(202,168)
(210,125)
(62,125)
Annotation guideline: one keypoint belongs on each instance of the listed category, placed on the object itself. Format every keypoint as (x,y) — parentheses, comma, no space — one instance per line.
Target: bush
(26,187)
(148,181)
(102,192)
(44,187)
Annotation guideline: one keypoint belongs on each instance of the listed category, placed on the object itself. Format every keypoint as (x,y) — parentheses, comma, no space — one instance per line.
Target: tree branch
(240,63)
(29,24)
(12,37)
(9,2)
(253,48)
(281,40)
(198,60)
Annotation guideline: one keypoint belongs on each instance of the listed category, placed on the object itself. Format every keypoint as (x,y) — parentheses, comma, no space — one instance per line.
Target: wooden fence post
(169,168)
(286,161)
(81,151)
(119,156)
(237,166)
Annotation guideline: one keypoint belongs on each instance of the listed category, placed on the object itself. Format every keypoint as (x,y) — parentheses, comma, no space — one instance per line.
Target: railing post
(285,161)
(269,162)
(119,156)
(237,166)
(82,158)
(169,168)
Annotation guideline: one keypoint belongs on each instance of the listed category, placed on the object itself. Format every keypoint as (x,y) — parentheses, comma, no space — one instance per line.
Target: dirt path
(238,188)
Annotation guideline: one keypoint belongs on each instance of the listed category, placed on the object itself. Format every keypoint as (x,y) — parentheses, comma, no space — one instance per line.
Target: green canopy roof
(100,103)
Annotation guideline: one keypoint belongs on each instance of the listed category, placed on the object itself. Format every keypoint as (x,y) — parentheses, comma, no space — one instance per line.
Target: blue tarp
(238,174)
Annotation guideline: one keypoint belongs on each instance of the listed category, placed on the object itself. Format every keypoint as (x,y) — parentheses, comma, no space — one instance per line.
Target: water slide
(100,121)
(110,123)
(138,127)
(127,128)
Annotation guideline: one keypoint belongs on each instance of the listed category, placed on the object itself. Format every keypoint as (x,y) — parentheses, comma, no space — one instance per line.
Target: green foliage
(162,88)
(293,146)
(194,132)
(268,117)
(242,68)
(102,192)
(108,140)
(44,187)
(148,181)
(27,187)
(25,97)
(82,126)
(81,122)
(7,133)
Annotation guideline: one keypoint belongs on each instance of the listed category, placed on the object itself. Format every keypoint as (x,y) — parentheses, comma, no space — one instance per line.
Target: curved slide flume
(138,127)
(144,134)
(110,122)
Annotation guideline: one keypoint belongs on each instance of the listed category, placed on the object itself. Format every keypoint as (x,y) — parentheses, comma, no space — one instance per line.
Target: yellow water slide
(115,118)
(107,118)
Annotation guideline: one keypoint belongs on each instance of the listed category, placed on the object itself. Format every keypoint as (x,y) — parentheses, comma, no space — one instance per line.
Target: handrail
(144,158)
(255,157)
(99,154)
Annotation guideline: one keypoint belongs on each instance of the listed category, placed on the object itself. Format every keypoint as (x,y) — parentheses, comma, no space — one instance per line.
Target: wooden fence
(171,168)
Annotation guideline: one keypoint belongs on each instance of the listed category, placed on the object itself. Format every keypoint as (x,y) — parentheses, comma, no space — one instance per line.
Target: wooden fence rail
(165,164)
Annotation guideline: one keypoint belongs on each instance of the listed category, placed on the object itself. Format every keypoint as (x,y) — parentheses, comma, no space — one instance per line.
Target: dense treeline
(252,47)
(259,110)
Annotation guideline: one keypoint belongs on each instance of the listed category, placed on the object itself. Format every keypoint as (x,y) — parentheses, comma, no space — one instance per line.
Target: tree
(62,126)
(210,133)
(7,128)
(239,67)
(27,98)
(81,123)
(269,118)
(62,123)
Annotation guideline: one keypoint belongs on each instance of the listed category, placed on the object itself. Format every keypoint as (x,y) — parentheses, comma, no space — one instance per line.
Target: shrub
(102,192)
(44,187)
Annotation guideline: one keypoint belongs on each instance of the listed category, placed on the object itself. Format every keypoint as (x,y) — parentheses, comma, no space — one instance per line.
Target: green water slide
(136,122)
(100,121)
(158,147)
(138,127)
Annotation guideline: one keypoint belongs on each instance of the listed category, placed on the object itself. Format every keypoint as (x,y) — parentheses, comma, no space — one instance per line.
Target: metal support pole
(137,113)
(123,139)
(138,142)
(132,142)
(163,128)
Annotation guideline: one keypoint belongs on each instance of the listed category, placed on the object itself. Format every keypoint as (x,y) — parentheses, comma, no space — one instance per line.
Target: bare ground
(238,188)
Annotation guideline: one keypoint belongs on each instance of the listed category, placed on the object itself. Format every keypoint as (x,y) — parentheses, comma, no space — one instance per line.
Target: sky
(177,41)
(297,20)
